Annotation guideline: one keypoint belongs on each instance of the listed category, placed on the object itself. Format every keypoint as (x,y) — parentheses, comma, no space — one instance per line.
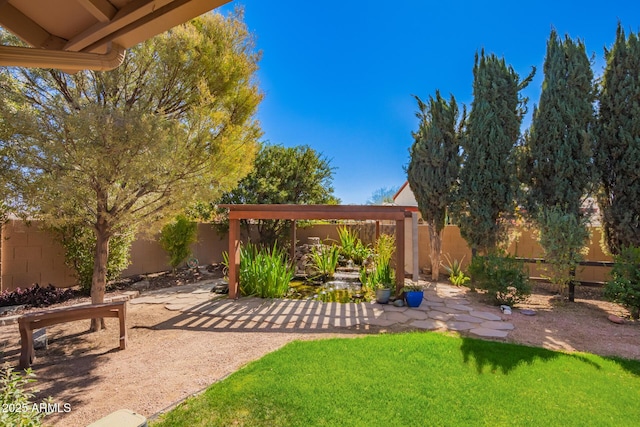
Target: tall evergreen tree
(558,147)
(434,167)
(488,181)
(618,143)
(558,171)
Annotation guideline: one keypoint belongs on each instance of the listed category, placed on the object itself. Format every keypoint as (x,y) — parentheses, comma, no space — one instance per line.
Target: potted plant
(413,295)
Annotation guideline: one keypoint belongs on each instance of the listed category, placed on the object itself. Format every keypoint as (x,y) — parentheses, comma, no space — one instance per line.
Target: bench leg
(26,352)
(123,327)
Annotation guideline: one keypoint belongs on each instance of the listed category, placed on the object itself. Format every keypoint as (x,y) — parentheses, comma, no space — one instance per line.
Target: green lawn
(419,379)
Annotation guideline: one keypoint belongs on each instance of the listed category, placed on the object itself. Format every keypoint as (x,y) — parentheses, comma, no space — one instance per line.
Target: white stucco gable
(404,196)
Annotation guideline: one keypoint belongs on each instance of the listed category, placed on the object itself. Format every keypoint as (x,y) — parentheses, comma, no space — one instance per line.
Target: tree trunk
(435,244)
(572,284)
(99,280)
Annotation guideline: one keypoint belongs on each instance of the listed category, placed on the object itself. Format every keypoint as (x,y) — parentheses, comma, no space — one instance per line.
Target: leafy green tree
(617,152)
(488,181)
(558,150)
(115,150)
(176,238)
(382,195)
(283,175)
(434,167)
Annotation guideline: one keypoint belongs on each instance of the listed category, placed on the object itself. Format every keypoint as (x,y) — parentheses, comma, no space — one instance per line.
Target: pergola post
(234,257)
(399,256)
(293,241)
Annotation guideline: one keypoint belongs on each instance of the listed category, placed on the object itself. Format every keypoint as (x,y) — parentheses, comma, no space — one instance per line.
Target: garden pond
(344,287)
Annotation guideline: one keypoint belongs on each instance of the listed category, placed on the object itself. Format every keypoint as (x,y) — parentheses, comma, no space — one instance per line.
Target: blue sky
(339,75)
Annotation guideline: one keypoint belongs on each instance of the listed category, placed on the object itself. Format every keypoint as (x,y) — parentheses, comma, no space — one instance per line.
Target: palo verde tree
(434,167)
(488,182)
(617,152)
(558,150)
(283,175)
(113,150)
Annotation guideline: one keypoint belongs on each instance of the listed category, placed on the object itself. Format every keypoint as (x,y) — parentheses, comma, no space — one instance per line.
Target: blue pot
(414,298)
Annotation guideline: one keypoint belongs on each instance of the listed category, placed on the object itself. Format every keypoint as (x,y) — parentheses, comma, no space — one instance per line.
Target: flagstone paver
(429,324)
(484,315)
(444,307)
(461,326)
(497,325)
(488,333)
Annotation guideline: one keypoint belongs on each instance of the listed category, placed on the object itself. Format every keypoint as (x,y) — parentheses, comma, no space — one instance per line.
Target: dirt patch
(164,363)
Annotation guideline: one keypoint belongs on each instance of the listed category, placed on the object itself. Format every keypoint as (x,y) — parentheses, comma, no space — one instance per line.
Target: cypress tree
(488,180)
(558,148)
(618,143)
(559,143)
(434,167)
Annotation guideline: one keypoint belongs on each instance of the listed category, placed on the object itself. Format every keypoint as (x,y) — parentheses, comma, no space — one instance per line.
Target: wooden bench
(29,322)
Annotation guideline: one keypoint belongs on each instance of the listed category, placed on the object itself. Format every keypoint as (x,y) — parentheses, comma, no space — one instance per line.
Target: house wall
(405,197)
(31,255)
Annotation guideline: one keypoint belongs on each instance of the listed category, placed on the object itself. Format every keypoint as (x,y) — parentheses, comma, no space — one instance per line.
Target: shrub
(15,402)
(176,238)
(35,296)
(624,287)
(263,272)
(351,246)
(381,275)
(502,276)
(79,244)
(324,260)
(563,237)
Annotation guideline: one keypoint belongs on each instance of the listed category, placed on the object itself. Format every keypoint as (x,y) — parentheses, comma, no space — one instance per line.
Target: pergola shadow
(259,315)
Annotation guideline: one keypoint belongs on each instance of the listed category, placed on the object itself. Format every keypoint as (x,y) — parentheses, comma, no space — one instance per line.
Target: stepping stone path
(444,307)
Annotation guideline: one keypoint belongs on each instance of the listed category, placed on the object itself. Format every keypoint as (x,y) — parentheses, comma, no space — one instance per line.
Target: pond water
(345,287)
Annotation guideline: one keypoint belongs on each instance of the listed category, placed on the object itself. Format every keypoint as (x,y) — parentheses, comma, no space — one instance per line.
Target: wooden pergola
(309,212)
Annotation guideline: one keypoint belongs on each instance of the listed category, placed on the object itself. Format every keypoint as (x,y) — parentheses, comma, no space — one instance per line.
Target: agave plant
(456,275)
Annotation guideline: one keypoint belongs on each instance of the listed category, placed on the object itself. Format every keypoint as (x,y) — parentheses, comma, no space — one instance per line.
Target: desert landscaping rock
(615,319)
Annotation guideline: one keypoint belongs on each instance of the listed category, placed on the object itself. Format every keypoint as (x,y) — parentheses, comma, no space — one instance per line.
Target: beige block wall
(30,255)
(147,256)
(525,246)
